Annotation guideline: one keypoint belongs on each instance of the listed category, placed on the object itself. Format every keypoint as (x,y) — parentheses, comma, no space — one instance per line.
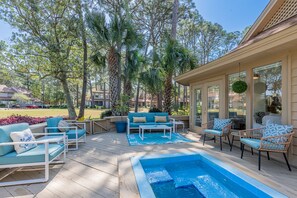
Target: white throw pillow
(23,136)
(61,124)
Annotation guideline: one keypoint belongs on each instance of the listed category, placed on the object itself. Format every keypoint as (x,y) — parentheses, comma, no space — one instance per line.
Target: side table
(176,123)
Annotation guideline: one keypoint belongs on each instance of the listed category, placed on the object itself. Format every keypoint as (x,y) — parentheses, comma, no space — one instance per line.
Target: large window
(237,103)
(267,98)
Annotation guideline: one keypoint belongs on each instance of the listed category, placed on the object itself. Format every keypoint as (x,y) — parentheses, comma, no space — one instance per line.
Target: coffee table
(142,129)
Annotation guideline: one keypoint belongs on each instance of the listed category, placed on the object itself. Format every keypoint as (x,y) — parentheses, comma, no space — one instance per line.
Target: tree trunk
(113,71)
(159,100)
(178,95)
(174,19)
(167,95)
(71,109)
(85,59)
(77,97)
(144,97)
(91,91)
(104,96)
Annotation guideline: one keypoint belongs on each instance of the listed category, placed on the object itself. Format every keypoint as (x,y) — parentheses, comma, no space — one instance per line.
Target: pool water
(195,175)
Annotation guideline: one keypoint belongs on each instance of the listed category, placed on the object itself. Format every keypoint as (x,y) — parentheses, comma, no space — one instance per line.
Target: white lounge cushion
(23,136)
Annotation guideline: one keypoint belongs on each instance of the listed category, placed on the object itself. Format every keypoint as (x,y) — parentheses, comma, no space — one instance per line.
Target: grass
(94,113)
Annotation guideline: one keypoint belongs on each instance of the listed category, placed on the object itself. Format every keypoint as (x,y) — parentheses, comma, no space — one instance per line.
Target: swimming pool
(194,175)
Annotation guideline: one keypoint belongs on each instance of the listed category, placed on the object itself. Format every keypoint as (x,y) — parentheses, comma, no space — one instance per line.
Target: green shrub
(154,109)
(106,114)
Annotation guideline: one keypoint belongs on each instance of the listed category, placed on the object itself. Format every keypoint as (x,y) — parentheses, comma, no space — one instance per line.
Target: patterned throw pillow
(160,119)
(23,136)
(139,119)
(219,124)
(62,124)
(276,130)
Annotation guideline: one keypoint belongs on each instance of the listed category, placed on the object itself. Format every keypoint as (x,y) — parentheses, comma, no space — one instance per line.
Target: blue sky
(233,15)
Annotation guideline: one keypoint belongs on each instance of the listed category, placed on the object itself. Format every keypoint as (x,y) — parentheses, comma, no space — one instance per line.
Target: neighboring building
(100,100)
(267,61)
(7,96)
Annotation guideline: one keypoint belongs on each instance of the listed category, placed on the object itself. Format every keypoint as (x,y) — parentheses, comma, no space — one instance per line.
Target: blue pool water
(155,138)
(194,175)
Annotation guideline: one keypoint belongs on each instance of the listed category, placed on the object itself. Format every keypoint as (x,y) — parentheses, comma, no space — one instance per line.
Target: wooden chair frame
(264,143)
(225,132)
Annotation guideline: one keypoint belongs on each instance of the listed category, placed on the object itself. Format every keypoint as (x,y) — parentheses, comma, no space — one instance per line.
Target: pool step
(157,175)
(209,187)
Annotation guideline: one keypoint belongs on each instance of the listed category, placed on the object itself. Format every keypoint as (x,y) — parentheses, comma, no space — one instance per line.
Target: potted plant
(239,86)
(122,109)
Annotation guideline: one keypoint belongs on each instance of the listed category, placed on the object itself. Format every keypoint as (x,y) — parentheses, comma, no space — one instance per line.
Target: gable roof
(276,12)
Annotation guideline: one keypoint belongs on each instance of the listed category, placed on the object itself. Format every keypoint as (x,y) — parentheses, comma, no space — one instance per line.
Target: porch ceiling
(283,41)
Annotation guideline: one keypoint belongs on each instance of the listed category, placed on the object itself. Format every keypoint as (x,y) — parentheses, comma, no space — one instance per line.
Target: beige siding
(294,98)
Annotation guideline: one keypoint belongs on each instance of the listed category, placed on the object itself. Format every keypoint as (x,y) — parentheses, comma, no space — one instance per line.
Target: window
(237,103)
(267,98)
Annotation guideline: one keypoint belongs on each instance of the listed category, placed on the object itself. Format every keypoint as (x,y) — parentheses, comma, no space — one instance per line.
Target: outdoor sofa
(35,152)
(149,119)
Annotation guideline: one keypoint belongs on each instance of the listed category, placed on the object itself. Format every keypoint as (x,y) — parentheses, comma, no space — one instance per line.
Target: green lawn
(94,113)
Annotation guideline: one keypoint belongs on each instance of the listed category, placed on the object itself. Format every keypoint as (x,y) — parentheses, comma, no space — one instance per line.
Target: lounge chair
(44,153)
(75,132)
(272,138)
(217,127)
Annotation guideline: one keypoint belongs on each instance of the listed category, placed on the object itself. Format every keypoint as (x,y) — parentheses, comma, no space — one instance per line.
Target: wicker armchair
(208,128)
(254,138)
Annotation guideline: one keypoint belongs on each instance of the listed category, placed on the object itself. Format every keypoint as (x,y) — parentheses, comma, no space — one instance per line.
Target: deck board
(102,168)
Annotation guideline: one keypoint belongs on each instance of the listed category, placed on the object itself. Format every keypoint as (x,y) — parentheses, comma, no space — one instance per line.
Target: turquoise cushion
(150,117)
(71,133)
(255,143)
(276,130)
(135,125)
(53,122)
(219,124)
(213,132)
(5,135)
(34,155)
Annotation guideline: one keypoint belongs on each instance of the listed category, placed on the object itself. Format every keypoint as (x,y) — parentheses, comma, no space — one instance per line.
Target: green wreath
(239,86)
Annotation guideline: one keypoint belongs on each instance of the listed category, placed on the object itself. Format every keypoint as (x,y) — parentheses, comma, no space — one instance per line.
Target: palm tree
(176,58)
(133,60)
(109,37)
(152,79)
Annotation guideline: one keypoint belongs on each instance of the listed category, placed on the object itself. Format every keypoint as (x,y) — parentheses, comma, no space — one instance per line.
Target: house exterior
(266,59)
(7,98)
(100,100)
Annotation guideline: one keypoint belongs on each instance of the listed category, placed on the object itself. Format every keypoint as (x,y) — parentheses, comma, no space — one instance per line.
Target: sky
(233,15)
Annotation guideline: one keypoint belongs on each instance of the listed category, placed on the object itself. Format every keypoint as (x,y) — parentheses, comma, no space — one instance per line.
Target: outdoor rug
(156,138)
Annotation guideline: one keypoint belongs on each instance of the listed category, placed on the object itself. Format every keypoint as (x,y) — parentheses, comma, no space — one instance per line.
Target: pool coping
(146,191)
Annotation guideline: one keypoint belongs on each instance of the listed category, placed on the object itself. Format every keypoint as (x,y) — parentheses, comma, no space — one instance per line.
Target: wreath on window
(239,86)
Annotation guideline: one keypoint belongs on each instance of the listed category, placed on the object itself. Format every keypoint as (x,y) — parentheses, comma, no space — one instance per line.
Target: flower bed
(19,119)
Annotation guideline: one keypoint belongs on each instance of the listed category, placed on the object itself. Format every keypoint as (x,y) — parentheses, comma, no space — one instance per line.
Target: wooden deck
(101,168)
